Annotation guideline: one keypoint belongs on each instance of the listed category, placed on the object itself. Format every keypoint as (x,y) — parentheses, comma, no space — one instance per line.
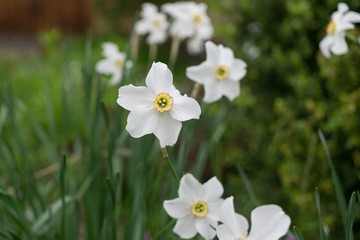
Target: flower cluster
(199,209)
(189,21)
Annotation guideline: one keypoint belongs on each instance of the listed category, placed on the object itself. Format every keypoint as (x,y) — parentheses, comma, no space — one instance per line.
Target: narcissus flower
(220,73)
(153,23)
(341,21)
(190,21)
(267,222)
(113,63)
(197,207)
(158,108)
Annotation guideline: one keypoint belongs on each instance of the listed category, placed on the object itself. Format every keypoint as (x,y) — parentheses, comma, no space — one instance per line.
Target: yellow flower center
(199,209)
(163,102)
(119,63)
(157,22)
(221,72)
(330,29)
(241,238)
(197,19)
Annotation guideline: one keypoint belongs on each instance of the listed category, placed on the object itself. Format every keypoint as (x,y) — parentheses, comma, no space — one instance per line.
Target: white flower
(157,108)
(195,45)
(197,207)
(190,20)
(113,63)
(341,21)
(220,73)
(153,23)
(268,222)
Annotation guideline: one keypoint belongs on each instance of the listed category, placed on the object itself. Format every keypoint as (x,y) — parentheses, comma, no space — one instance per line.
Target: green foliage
(69,170)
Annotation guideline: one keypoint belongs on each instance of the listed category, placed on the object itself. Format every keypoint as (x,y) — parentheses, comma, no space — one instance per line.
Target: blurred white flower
(158,108)
(113,63)
(197,207)
(190,21)
(267,222)
(153,23)
(220,73)
(341,21)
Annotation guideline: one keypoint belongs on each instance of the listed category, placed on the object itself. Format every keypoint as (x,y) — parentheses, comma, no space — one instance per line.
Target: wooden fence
(32,16)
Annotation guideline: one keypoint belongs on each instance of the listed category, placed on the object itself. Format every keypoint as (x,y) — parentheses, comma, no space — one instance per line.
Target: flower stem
(152,52)
(134,46)
(172,168)
(196,90)
(175,44)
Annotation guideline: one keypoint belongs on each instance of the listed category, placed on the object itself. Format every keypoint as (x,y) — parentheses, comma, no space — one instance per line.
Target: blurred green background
(263,147)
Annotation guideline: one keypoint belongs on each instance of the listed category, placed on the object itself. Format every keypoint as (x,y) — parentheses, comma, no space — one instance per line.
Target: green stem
(172,168)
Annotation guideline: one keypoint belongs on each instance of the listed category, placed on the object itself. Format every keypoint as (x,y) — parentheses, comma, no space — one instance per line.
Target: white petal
(339,46)
(212,91)
(214,211)
(200,73)
(159,78)
(135,98)
(213,189)
(342,26)
(237,70)
(156,37)
(140,123)
(177,208)
(195,46)
(148,9)
(189,188)
(236,223)
(185,227)
(183,29)
(352,17)
(325,45)
(342,7)
(224,233)
(268,222)
(116,77)
(204,228)
(105,66)
(205,31)
(212,53)
(110,49)
(185,108)
(230,89)
(226,56)
(142,27)
(167,130)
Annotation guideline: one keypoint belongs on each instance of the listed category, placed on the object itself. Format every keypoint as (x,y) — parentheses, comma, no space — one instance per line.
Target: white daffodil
(268,222)
(220,73)
(341,21)
(153,23)
(197,207)
(190,20)
(113,63)
(158,108)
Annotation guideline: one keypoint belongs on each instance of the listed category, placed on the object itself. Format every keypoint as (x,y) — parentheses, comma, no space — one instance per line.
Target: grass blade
(297,234)
(321,227)
(335,179)
(350,217)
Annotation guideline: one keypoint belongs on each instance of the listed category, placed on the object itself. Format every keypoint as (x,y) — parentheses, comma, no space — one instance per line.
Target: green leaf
(350,217)
(297,234)
(317,201)
(335,179)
